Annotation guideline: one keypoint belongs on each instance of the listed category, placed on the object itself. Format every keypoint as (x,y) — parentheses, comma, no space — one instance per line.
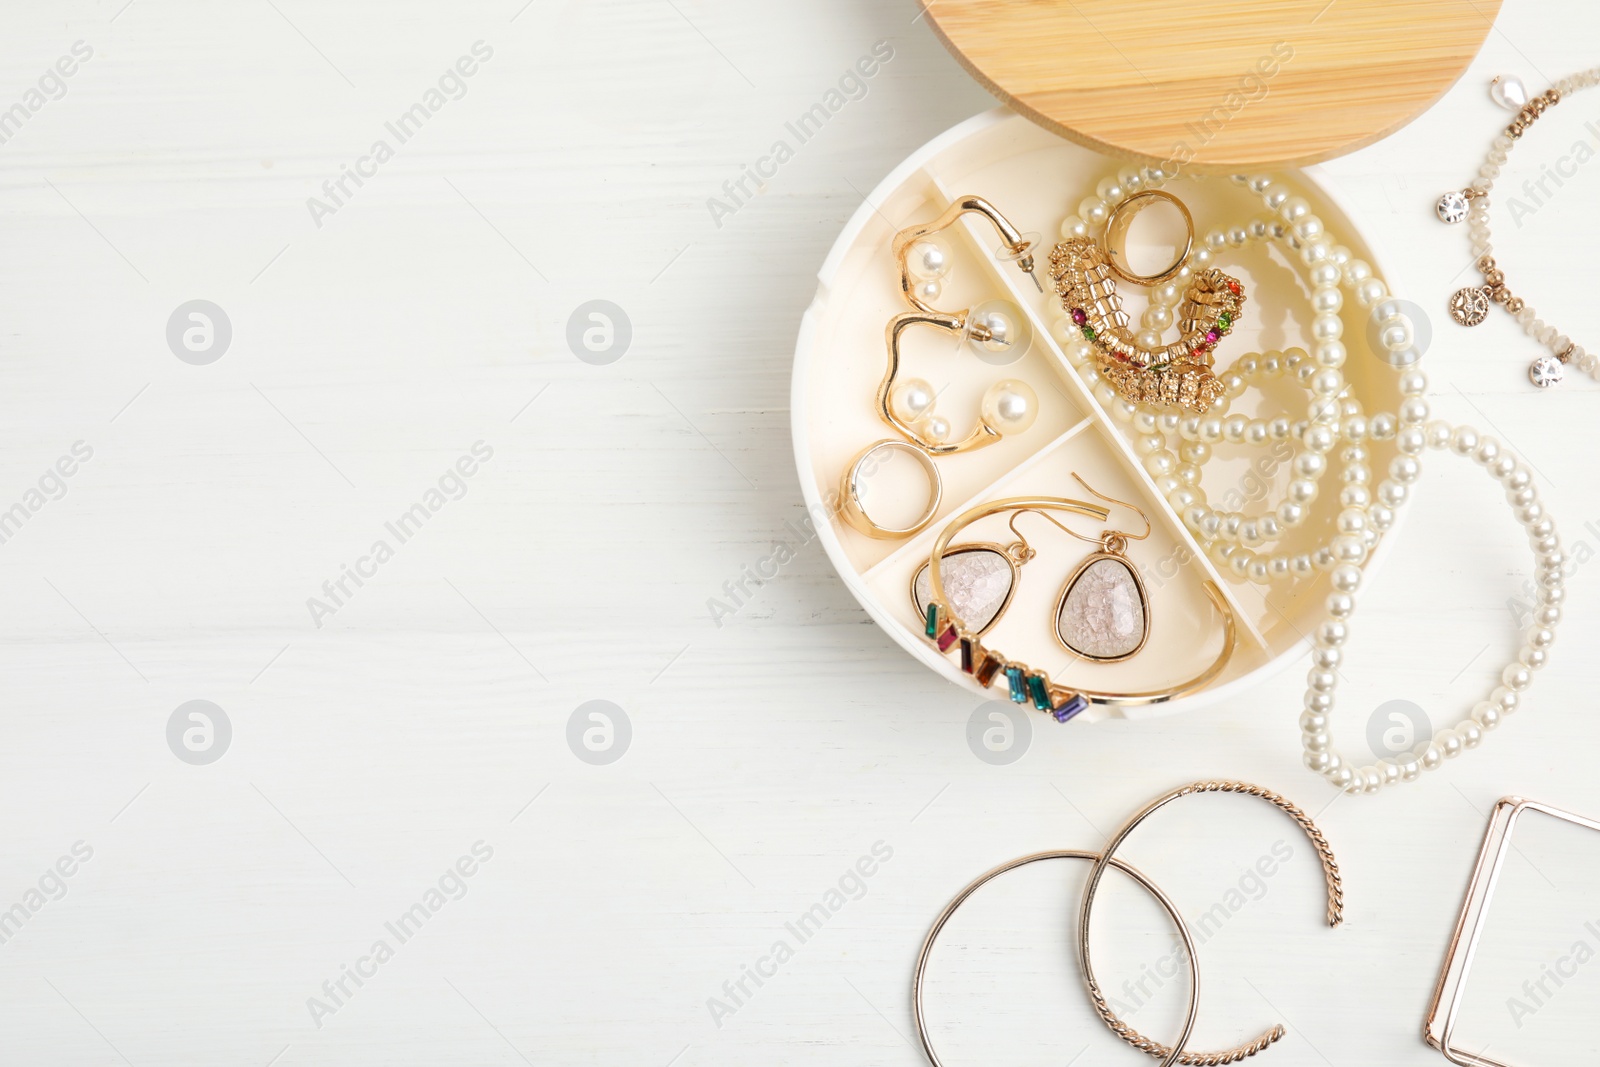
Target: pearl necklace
(1332,420)
(1470,306)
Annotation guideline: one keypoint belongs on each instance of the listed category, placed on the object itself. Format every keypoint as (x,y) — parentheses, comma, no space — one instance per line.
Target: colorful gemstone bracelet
(1026,684)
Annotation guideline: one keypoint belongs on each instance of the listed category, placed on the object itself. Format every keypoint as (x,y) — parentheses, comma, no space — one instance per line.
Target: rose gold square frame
(1449,990)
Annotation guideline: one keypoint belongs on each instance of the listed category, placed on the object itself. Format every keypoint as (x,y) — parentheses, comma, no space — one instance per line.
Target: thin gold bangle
(918,976)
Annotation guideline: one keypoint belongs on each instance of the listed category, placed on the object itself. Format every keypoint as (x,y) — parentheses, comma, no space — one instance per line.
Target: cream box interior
(1037,179)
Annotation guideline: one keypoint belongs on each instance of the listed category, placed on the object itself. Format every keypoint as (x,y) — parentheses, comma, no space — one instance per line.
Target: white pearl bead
(1310,464)
(1517,677)
(928,291)
(911,399)
(1327,327)
(1294,209)
(1094,211)
(1471,734)
(935,429)
(928,259)
(1413,411)
(1396,337)
(1393,493)
(1449,743)
(1346,578)
(1486,715)
(1326,301)
(1010,406)
(1325,275)
(1321,762)
(1430,757)
(1370,292)
(1073,226)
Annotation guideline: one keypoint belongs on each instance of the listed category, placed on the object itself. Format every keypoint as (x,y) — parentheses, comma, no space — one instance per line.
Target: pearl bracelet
(1470,305)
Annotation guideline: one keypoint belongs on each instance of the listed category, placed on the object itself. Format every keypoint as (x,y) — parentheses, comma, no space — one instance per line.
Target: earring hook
(1052,520)
(1122,534)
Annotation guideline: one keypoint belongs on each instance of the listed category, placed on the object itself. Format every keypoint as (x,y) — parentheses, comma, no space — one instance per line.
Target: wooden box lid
(1227,84)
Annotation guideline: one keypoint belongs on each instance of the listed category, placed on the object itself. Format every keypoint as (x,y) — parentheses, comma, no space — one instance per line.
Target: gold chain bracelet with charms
(1470,305)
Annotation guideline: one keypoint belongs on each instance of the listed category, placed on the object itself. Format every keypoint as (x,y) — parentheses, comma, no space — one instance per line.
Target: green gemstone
(1224,320)
(1088,333)
(933,619)
(1041,698)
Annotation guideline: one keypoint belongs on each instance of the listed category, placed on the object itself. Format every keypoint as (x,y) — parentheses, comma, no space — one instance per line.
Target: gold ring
(1117,229)
(850,491)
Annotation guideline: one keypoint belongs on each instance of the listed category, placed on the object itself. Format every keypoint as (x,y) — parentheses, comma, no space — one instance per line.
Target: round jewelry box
(1035,179)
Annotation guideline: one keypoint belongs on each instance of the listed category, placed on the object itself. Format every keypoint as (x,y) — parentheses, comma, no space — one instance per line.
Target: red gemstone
(947,639)
(1079,317)
(1235,288)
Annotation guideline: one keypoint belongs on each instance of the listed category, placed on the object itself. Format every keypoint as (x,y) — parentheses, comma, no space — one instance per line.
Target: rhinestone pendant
(1452,207)
(1546,371)
(1508,91)
(1470,306)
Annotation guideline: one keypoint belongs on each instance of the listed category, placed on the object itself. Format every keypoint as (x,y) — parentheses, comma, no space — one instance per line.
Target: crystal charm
(1546,371)
(978,583)
(1508,91)
(1103,614)
(1469,306)
(1452,207)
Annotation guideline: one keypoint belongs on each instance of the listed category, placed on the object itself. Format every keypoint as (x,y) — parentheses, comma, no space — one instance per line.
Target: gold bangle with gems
(948,631)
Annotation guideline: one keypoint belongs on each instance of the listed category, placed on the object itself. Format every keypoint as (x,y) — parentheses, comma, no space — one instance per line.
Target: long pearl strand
(1333,421)
(1330,637)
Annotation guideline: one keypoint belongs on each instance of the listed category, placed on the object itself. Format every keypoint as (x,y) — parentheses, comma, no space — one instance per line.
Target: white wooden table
(419,718)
